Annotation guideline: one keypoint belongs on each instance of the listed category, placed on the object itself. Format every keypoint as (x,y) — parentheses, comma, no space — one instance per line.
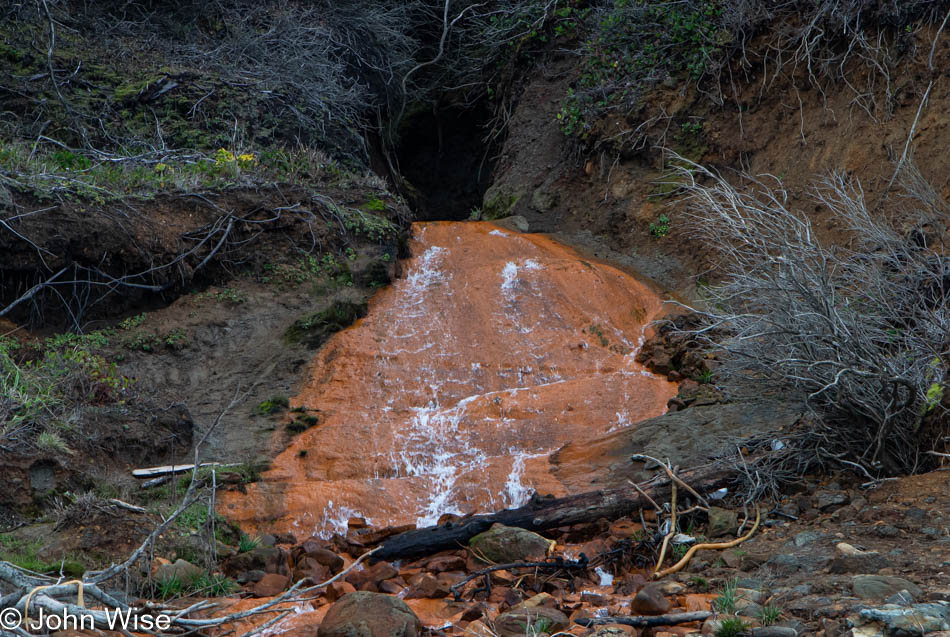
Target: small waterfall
(492,351)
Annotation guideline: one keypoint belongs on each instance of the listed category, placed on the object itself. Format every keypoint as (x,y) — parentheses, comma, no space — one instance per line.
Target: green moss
(25,554)
(375,204)
(132,90)
(499,204)
(314,329)
(272,405)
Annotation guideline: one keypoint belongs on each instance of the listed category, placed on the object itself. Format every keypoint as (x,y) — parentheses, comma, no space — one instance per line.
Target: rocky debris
(825,500)
(673,350)
(722,522)
(882,586)
(791,568)
(443,563)
(426,585)
(180,570)
(318,550)
(369,578)
(368,614)
(504,544)
(270,559)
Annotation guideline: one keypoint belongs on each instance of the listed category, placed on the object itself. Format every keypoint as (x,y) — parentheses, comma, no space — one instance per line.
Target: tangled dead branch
(860,333)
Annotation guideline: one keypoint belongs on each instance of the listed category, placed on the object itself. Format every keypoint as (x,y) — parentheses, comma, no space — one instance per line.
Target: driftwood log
(541,513)
(642,621)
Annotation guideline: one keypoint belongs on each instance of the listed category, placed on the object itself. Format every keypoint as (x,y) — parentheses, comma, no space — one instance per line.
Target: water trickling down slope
(493,350)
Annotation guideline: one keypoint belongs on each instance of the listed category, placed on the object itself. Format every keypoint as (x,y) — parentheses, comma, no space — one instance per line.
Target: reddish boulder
(650,601)
(370,577)
(271,585)
(370,615)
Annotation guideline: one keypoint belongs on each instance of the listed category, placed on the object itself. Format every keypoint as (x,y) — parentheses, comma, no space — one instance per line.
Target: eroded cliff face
(493,350)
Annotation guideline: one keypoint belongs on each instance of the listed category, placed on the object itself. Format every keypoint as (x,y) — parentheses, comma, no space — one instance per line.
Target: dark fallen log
(642,621)
(548,513)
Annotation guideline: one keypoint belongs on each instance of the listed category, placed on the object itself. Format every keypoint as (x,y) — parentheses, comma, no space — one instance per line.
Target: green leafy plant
(730,627)
(170,587)
(214,585)
(661,227)
(700,583)
(768,615)
(132,322)
(728,598)
(247,543)
(176,339)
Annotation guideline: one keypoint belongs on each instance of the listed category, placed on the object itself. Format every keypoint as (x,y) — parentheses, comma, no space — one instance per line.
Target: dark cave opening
(445,159)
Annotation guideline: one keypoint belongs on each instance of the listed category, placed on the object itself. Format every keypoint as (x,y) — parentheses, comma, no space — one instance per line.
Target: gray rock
(774,631)
(503,544)
(684,437)
(900,598)
(882,586)
(517,222)
(366,614)
(806,537)
(862,563)
(829,499)
(721,522)
(524,622)
(785,563)
(748,609)
(544,199)
(750,595)
(907,621)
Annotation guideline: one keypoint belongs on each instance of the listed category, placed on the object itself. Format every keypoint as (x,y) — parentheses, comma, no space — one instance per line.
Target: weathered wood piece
(547,513)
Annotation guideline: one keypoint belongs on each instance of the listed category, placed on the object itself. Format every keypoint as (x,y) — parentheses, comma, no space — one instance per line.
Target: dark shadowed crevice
(443,156)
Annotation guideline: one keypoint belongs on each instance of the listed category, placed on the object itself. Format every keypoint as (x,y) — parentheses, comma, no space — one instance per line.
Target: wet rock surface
(492,350)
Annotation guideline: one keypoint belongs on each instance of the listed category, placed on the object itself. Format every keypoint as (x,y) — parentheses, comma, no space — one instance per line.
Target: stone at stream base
(271,585)
(649,601)
(366,614)
(426,585)
(338,589)
(504,544)
(536,620)
(722,522)
(371,577)
(882,586)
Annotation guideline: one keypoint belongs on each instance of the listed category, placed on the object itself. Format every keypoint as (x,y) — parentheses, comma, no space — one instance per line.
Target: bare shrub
(860,332)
